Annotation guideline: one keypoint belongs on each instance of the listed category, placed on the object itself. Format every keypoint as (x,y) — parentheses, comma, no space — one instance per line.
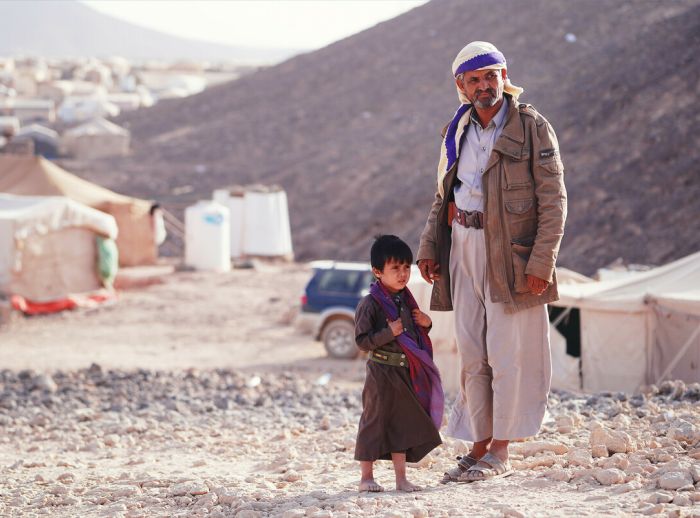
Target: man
(489,248)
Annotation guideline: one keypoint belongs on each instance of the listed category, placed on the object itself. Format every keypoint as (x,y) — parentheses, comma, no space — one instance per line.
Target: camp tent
(638,330)
(629,332)
(49,248)
(96,138)
(36,176)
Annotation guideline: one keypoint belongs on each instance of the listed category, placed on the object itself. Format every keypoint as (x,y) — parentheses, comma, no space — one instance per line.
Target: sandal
(488,467)
(464,463)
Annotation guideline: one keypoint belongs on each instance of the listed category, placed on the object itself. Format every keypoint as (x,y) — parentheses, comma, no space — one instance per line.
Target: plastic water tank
(266,216)
(233,199)
(207,237)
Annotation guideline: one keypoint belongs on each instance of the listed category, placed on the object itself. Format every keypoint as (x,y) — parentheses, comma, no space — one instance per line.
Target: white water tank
(266,223)
(232,198)
(207,237)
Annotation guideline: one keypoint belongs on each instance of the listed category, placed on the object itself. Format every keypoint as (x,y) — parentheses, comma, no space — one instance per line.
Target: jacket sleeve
(366,337)
(548,174)
(427,249)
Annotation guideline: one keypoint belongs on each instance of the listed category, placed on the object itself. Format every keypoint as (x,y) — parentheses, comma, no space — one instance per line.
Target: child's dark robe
(393,420)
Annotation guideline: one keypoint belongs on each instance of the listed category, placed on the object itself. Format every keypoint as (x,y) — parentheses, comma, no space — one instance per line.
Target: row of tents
(53,227)
(615,335)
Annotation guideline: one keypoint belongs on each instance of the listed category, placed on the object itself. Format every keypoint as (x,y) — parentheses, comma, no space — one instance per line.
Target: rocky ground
(241,436)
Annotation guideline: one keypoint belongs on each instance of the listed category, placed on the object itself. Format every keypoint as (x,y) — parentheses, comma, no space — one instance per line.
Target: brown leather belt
(474,219)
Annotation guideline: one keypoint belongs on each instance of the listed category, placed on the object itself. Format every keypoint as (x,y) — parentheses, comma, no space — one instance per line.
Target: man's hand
(396,326)
(429,270)
(536,285)
(420,318)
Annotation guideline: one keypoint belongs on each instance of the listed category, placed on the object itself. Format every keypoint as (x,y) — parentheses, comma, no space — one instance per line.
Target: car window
(367,280)
(339,280)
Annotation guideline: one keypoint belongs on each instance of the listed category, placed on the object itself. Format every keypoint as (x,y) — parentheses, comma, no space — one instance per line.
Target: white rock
(599,450)
(626,488)
(530,448)
(608,477)
(579,457)
(418,512)
(294,513)
(66,478)
(683,431)
(682,499)
(292,476)
(189,488)
(674,480)
(660,497)
(45,382)
(509,512)
(558,474)
(248,513)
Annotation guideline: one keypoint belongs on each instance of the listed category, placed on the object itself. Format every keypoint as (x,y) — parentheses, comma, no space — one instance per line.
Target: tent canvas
(48,248)
(633,328)
(36,176)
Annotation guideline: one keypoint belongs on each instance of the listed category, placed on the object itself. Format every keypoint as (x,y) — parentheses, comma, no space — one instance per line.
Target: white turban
(482,55)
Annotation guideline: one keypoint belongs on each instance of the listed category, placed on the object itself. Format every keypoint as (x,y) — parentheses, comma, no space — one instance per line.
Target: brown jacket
(524,213)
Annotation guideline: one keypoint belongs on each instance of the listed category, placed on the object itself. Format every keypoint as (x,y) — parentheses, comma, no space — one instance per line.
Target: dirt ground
(197,396)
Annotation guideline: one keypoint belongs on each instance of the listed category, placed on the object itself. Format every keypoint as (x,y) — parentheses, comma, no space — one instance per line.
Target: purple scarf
(425,377)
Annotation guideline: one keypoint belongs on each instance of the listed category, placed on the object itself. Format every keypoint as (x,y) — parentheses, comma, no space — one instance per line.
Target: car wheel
(338,337)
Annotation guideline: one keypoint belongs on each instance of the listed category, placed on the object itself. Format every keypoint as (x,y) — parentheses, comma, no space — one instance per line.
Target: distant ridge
(60,28)
(352,130)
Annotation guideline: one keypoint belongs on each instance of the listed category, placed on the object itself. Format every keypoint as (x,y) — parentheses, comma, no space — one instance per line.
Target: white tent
(48,247)
(634,331)
(639,330)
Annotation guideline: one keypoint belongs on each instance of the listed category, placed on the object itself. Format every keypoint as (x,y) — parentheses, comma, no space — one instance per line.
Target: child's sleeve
(366,337)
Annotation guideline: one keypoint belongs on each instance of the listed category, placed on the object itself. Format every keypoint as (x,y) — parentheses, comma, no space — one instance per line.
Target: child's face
(394,276)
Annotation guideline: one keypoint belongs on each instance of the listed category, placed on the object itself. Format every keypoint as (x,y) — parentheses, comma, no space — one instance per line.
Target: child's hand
(396,327)
(421,319)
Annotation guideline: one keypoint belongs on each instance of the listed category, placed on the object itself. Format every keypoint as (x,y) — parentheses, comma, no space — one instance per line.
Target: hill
(352,130)
(68,28)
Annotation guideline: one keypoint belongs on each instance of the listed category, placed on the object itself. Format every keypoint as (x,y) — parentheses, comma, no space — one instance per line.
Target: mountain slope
(352,130)
(68,28)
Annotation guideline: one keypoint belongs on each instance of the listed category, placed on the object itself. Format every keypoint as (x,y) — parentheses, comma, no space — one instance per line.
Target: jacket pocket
(517,171)
(519,206)
(520,256)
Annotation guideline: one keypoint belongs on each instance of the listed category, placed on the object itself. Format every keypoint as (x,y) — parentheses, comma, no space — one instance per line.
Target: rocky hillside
(352,130)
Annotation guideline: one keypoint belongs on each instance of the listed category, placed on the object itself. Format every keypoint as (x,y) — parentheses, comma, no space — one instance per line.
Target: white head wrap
(482,55)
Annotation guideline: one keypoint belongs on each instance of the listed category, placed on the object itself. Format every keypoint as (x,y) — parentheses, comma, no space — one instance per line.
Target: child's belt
(387,358)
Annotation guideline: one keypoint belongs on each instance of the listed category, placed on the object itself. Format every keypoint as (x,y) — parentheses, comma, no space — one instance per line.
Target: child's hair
(387,248)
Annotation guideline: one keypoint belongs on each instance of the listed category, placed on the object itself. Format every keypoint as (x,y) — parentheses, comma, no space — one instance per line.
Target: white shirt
(473,157)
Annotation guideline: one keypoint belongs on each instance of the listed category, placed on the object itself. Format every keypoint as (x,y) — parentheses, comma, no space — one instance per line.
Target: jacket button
(401,364)
(403,356)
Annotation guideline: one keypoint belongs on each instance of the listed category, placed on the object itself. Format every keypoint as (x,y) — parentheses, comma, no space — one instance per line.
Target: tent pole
(678,356)
(562,316)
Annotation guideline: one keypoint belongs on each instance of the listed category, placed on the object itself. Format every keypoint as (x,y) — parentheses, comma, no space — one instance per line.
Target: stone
(418,512)
(579,457)
(248,513)
(190,488)
(531,448)
(683,431)
(674,480)
(682,499)
(558,474)
(599,450)
(292,476)
(46,383)
(294,513)
(660,497)
(608,477)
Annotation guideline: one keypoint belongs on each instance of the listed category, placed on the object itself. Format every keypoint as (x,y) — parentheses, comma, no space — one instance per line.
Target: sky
(279,24)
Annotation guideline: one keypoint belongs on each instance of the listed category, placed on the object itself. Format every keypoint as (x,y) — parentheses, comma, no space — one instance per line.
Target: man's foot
(408,487)
(488,467)
(453,474)
(370,486)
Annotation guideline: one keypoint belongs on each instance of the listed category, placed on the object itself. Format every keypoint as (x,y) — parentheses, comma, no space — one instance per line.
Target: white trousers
(505,358)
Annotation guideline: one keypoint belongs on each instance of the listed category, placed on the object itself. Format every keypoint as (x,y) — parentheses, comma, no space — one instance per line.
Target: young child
(402,400)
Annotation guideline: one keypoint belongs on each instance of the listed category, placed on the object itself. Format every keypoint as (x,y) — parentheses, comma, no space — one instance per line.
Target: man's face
(483,88)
